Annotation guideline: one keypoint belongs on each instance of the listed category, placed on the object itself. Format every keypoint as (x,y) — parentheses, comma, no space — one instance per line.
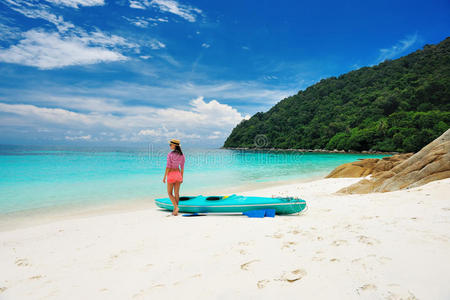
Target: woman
(173,174)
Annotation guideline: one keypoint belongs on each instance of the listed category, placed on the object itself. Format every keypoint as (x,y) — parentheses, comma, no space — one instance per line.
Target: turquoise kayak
(233,204)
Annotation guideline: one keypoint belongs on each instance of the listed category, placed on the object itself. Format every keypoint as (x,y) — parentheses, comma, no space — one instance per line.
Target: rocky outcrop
(407,171)
(368,166)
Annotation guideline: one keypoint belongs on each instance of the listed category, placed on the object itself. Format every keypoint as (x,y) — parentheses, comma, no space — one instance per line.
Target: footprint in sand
(262,283)
(276,235)
(22,262)
(243,244)
(366,287)
(246,266)
(293,275)
(357,260)
(401,295)
(338,243)
(288,244)
(367,262)
(367,240)
(334,260)
(384,259)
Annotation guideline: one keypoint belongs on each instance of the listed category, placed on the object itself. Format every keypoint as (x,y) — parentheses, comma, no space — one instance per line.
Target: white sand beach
(392,245)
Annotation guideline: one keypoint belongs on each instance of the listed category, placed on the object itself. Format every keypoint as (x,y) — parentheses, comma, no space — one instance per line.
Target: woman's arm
(182,172)
(182,167)
(165,175)
(167,169)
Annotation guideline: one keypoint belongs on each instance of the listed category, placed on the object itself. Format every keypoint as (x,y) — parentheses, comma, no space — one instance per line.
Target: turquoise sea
(48,177)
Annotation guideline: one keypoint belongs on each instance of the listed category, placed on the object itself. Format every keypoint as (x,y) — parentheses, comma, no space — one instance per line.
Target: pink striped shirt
(174,160)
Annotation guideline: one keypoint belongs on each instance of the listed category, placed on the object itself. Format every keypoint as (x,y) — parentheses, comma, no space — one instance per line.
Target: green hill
(399,105)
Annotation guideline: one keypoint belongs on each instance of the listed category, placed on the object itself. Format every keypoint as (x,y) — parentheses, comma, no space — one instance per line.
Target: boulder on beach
(399,171)
(368,166)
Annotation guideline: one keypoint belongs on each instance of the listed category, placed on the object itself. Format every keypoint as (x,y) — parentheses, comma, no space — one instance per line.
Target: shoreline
(312,150)
(45,215)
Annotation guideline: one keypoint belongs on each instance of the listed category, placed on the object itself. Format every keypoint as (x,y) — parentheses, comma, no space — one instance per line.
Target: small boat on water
(233,204)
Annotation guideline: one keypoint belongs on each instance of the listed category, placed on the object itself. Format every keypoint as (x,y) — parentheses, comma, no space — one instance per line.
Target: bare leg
(176,189)
(172,198)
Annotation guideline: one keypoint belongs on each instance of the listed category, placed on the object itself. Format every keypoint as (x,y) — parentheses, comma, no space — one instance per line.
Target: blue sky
(134,72)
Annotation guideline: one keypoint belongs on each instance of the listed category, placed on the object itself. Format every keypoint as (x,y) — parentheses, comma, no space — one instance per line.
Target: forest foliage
(398,105)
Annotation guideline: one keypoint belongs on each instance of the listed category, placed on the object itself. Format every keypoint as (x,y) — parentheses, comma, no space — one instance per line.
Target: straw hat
(175,141)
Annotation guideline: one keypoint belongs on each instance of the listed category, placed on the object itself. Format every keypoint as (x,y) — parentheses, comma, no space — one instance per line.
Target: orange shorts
(174,176)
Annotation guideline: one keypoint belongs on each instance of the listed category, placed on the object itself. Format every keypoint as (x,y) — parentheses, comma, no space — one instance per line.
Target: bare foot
(175,211)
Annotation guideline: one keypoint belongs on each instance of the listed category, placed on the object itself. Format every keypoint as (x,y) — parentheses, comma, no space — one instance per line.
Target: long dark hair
(178,149)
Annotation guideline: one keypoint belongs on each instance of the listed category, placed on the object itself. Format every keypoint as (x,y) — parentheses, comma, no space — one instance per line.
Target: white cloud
(213,110)
(241,90)
(205,45)
(51,50)
(186,12)
(76,138)
(138,21)
(215,135)
(397,49)
(245,95)
(151,132)
(138,4)
(168,58)
(8,33)
(355,66)
(270,77)
(71,45)
(99,38)
(155,44)
(144,22)
(201,119)
(52,115)
(165,133)
(77,3)
(36,10)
